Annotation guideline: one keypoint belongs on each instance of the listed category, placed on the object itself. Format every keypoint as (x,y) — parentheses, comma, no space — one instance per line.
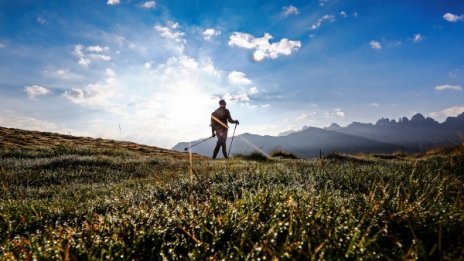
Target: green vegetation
(86,202)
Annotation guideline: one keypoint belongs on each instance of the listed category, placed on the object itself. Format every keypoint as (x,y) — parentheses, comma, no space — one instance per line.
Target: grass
(85,201)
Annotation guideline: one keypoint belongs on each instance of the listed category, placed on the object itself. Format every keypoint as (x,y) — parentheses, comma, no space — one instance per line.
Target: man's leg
(224,151)
(216,150)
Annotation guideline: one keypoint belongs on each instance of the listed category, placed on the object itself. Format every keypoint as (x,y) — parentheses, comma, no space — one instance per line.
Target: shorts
(221,134)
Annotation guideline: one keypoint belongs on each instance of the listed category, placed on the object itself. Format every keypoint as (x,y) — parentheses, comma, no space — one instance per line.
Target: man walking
(219,127)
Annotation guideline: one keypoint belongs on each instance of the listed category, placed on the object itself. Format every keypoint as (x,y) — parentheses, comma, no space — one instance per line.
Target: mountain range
(385,136)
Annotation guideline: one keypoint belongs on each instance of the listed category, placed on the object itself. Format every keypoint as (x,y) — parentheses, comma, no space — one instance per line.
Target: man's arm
(229,118)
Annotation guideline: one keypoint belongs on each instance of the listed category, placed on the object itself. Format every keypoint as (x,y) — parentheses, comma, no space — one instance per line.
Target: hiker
(219,127)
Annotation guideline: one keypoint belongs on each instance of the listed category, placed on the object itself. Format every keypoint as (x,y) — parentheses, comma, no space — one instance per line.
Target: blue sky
(153,71)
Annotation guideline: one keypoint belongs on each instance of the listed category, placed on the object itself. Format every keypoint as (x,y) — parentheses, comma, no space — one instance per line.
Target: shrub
(283,154)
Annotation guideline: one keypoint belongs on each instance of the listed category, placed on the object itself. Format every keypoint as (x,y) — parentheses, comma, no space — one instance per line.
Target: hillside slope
(22,139)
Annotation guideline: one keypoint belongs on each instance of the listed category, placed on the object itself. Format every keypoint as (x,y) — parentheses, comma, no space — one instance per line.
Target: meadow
(73,198)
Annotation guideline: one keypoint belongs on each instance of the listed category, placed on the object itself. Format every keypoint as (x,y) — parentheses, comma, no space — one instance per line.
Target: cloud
(149,5)
(63,74)
(244,98)
(91,53)
(264,49)
(339,112)
(41,20)
(166,104)
(97,95)
(335,113)
(289,10)
(2,45)
(253,90)
(448,87)
(234,98)
(35,90)
(448,112)
(170,32)
(238,78)
(209,33)
(418,38)
(305,116)
(453,18)
(375,104)
(323,2)
(148,65)
(323,19)
(375,45)
(343,14)
(112,2)
(11,120)
(97,49)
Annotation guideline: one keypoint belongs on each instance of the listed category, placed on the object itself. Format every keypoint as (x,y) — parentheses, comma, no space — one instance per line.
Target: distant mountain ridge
(416,134)
(385,136)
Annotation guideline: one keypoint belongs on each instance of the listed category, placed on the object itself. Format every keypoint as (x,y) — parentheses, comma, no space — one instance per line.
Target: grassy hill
(64,197)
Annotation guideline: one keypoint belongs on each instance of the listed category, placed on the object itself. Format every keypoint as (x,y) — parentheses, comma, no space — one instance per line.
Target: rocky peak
(418,118)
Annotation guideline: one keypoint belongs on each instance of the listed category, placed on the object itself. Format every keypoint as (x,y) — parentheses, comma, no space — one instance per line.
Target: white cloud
(170,32)
(289,10)
(448,112)
(2,45)
(27,123)
(234,98)
(63,74)
(112,2)
(169,103)
(253,90)
(209,33)
(418,38)
(343,14)
(335,113)
(305,116)
(323,2)
(149,5)
(375,104)
(238,78)
(453,18)
(339,112)
(41,20)
(97,95)
(448,87)
(148,65)
(264,49)
(320,21)
(375,45)
(97,49)
(91,53)
(35,90)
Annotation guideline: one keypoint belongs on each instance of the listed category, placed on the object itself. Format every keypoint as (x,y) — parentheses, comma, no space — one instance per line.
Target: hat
(222,102)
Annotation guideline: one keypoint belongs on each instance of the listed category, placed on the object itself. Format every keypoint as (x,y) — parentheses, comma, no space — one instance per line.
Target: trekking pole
(230,147)
(197,144)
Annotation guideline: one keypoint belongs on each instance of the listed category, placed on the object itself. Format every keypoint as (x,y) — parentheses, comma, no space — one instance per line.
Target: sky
(153,71)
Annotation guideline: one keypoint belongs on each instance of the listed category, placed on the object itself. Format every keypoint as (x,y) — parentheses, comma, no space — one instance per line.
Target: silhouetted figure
(219,127)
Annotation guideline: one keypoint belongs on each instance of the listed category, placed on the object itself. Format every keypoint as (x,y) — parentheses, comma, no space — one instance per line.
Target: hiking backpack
(219,114)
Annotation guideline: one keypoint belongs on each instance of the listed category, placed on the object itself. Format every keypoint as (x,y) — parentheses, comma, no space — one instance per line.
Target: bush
(283,154)
(255,156)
